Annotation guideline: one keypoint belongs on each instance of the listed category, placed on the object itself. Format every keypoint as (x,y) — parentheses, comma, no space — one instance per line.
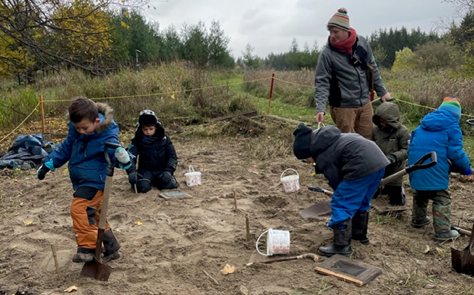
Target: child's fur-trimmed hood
(108,113)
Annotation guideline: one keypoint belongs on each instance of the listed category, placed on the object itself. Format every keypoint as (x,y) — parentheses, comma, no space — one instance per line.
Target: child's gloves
(132,175)
(122,155)
(44,168)
(392,159)
(41,172)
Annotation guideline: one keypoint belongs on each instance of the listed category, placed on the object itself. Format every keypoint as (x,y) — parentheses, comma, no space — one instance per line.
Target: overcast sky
(270,26)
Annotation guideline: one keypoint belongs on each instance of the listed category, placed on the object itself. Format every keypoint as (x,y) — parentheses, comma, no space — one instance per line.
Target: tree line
(99,36)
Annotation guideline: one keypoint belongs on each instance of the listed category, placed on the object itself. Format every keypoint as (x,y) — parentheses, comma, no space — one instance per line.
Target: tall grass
(417,92)
(292,87)
(16,105)
(178,93)
(172,91)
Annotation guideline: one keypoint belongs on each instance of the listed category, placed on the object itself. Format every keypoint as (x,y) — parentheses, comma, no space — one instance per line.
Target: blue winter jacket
(439,131)
(85,153)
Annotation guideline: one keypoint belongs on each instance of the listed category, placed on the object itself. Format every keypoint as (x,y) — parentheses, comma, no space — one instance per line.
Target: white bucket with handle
(192,177)
(291,183)
(278,242)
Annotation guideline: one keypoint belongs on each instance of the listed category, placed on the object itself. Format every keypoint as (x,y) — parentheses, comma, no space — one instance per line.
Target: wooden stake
(271,94)
(53,248)
(43,125)
(247,227)
(135,187)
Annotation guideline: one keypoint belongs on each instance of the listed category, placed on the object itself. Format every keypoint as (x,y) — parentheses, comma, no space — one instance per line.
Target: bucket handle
(291,169)
(256,244)
(191,168)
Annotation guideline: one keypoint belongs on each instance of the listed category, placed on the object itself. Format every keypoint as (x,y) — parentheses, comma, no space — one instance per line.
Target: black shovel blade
(456,260)
(97,270)
(462,261)
(319,210)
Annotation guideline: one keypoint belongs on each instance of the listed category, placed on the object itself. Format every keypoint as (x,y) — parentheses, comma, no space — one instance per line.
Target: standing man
(347,75)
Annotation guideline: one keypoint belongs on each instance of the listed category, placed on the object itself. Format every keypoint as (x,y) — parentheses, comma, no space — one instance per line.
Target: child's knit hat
(452,105)
(340,19)
(147,117)
(301,145)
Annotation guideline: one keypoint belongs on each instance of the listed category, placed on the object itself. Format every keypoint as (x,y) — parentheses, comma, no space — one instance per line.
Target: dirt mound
(241,125)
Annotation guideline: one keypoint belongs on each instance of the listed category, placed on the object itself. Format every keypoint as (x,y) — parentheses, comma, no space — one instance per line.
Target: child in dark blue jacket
(439,131)
(91,126)
(354,167)
(157,159)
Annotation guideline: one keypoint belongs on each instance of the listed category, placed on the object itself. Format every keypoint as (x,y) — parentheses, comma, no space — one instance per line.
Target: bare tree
(462,5)
(55,32)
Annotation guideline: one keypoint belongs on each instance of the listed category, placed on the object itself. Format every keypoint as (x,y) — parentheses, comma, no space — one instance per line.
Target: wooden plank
(290,121)
(348,269)
(338,275)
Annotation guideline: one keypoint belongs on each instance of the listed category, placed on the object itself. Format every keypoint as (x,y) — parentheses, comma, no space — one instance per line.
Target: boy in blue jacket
(354,167)
(91,126)
(439,131)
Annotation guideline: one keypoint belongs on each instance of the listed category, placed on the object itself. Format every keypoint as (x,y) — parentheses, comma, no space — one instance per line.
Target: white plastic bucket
(291,183)
(192,177)
(278,242)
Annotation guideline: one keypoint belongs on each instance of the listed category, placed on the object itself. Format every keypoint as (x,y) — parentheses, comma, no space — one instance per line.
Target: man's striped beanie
(452,105)
(340,19)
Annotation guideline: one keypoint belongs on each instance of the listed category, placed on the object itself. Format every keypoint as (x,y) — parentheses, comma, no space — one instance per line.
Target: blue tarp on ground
(26,152)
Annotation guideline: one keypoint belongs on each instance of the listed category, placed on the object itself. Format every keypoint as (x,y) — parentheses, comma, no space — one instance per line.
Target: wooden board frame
(173,195)
(347,269)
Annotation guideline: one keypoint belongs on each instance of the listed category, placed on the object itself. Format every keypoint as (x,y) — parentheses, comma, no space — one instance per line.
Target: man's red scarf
(346,45)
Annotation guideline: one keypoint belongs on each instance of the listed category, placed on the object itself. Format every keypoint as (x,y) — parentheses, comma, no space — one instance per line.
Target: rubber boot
(396,195)
(342,240)
(447,236)
(111,246)
(360,222)
(83,255)
(419,223)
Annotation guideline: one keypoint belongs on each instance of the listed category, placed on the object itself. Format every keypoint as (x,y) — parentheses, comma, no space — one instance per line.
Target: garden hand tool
(323,209)
(96,268)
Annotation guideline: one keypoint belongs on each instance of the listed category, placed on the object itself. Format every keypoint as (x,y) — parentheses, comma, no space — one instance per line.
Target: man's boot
(111,246)
(342,240)
(360,222)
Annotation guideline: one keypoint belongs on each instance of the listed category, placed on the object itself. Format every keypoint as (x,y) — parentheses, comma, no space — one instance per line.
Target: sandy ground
(181,246)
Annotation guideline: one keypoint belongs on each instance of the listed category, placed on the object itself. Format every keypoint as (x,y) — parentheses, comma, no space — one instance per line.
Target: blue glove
(122,155)
(50,165)
(125,166)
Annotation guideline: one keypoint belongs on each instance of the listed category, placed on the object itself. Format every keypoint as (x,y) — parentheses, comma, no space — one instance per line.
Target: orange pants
(85,216)
(357,120)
